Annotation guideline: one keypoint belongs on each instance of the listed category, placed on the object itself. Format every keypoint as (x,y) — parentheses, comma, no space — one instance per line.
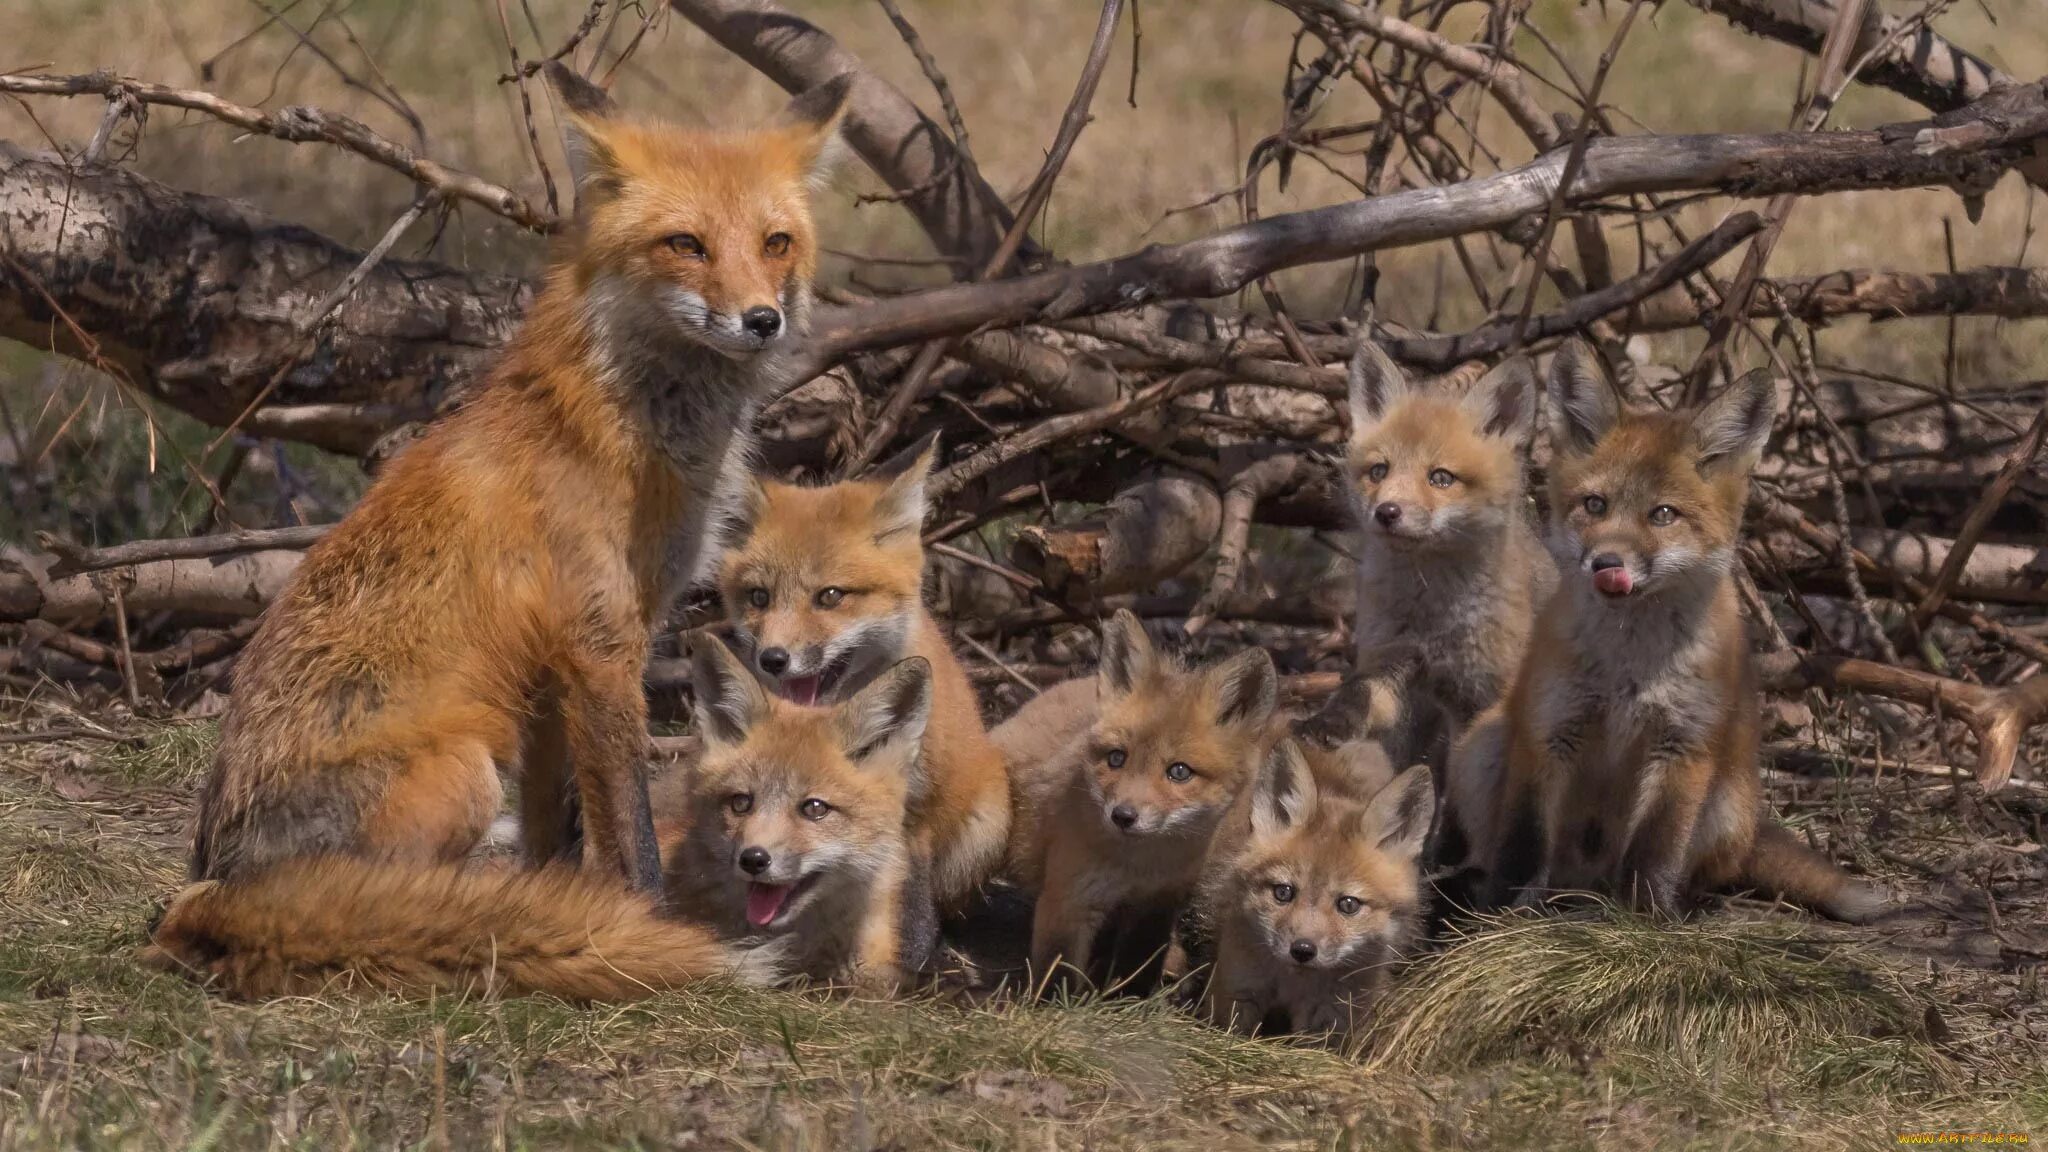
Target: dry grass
(1591,1031)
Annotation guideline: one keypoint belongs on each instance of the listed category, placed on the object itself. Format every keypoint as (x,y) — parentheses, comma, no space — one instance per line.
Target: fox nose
(1303,951)
(762,321)
(753,861)
(773,661)
(1606,560)
(1388,513)
(1123,815)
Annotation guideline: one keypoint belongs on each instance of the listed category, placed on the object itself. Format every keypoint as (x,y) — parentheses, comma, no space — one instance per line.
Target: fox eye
(830,597)
(758,597)
(1595,504)
(740,803)
(1179,773)
(814,809)
(1283,893)
(1441,478)
(1349,905)
(777,244)
(1116,758)
(1377,472)
(1663,515)
(684,244)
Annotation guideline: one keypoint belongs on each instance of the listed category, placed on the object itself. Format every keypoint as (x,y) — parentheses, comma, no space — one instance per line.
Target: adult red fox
(487,605)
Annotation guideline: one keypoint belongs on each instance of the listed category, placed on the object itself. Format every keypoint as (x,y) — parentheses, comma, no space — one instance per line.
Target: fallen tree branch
(1998,717)
(1967,149)
(202,300)
(73,558)
(1921,66)
(299,124)
(1979,519)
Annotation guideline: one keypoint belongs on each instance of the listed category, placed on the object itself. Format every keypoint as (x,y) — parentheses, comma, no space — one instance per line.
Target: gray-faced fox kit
(824,588)
(1450,568)
(796,827)
(1630,735)
(1113,829)
(1315,892)
(488,603)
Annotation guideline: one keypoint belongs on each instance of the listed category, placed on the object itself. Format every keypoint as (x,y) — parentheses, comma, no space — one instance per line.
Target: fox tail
(308,926)
(1780,864)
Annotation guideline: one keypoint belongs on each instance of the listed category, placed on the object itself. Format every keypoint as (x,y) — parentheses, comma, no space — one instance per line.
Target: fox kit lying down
(824,590)
(1315,892)
(1450,568)
(1113,829)
(796,822)
(1630,735)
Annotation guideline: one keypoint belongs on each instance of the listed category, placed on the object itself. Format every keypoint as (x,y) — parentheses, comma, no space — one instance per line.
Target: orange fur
(1314,891)
(1120,821)
(311,926)
(1630,736)
(809,812)
(832,577)
(486,606)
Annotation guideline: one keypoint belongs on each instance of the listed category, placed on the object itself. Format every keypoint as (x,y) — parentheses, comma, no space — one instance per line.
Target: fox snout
(1611,574)
(1303,950)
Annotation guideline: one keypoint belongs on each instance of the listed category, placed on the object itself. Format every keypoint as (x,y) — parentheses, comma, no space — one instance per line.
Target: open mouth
(767,903)
(808,690)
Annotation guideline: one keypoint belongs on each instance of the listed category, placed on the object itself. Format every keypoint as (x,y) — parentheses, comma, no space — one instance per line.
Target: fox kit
(1630,734)
(487,605)
(825,589)
(1118,823)
(797,821)
(1449,567)
(1317,892)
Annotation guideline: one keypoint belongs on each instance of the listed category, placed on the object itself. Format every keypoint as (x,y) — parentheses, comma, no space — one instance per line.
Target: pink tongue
(802,689)
(764,901)
(1614,581)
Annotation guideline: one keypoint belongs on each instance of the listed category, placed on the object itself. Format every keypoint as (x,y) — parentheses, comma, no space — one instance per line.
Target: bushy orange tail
(1780,864)
(307,926)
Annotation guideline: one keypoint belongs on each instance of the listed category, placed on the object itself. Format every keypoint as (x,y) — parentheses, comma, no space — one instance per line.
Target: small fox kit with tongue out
(1630,735)
(1113,828)
(796,822)
(1315,892)
(824,588)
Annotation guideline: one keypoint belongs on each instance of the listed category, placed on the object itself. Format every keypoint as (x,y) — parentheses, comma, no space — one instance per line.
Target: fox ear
(901,507)
(1127,653)
(578,95)
(729,700)
(890,713)
(1730,429)
(593,161)
(814,115)
(1247,688)
(1582,405)
(1503,400)
(1284,794)
(1376,383)
(1398,818)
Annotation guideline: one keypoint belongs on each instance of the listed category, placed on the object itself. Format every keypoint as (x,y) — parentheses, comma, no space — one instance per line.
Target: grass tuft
(1692,995)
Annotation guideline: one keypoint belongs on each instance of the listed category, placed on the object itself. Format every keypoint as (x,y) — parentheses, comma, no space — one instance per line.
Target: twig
(1052,431)
(299,124)
(1572,163)
(1813,112)
(2016,465)
(73,559)
(997,661)
(890,420)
